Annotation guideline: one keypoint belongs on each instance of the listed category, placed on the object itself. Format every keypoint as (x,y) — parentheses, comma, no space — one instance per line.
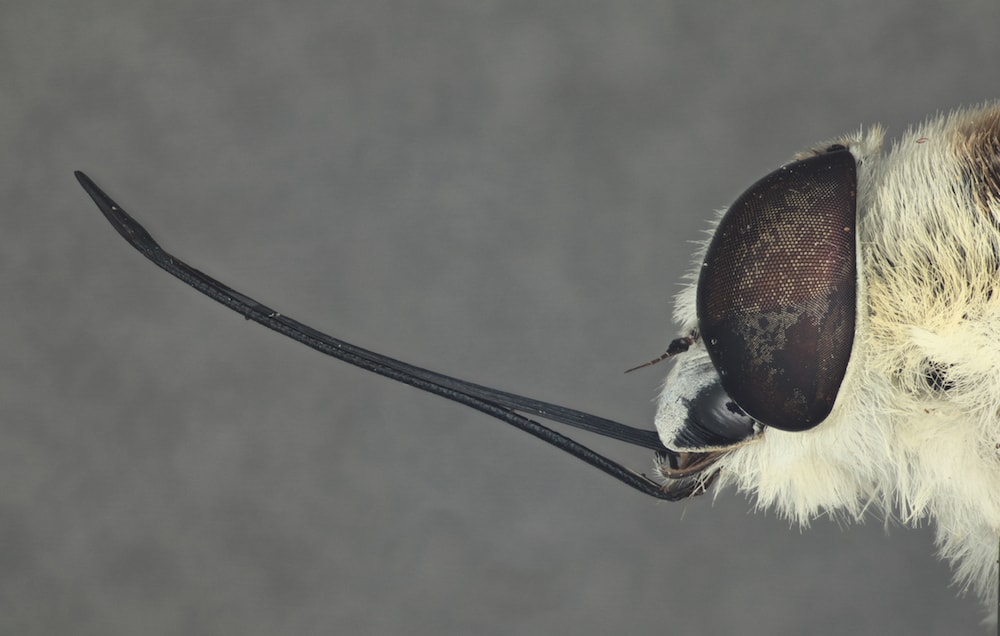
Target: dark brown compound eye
(777,290)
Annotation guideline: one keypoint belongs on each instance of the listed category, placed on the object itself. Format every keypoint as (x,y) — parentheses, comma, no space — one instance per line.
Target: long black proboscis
(498,404)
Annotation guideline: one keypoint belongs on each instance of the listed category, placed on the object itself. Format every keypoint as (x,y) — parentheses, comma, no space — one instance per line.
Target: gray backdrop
(505,191)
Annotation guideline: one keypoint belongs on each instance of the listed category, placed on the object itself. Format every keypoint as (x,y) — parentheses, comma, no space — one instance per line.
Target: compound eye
(777,291)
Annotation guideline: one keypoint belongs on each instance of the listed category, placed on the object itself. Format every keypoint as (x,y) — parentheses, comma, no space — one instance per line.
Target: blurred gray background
(504,191)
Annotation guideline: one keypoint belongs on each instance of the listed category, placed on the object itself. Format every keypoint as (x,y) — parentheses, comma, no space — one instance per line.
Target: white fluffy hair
(915,430)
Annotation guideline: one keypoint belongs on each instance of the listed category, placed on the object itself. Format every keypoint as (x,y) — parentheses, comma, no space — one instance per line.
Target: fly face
(841,345)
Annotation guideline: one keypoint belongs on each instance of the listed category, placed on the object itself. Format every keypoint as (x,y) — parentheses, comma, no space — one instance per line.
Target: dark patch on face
(936,375)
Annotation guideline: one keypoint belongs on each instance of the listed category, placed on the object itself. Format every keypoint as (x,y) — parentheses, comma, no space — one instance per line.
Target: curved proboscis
(499,404)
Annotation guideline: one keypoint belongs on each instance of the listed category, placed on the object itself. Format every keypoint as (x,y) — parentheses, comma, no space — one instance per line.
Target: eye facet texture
(777,289)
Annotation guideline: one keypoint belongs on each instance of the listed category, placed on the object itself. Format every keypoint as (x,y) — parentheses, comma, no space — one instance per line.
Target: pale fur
(895,445)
